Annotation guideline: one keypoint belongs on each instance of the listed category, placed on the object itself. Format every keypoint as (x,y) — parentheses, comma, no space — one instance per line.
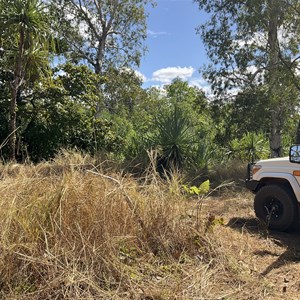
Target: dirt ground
(268,260)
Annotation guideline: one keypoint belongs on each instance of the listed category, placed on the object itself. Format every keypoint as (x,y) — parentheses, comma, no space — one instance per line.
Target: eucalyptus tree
(102,33)
(252,43)
(24,40)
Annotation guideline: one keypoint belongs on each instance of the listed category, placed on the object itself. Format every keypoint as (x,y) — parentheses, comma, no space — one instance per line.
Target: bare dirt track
(269,260)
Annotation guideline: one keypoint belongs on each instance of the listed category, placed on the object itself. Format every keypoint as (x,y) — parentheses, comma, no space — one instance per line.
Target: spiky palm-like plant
(24,35)
(251,146)
(175,137)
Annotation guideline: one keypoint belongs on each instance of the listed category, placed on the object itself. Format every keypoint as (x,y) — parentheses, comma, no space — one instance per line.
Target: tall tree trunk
(15,88)
(100,54)
(12,125)
(298,133)
(276,135)
(274,11)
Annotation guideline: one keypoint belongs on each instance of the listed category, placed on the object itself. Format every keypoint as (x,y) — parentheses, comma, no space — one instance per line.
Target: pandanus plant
(24,36)
(174,138)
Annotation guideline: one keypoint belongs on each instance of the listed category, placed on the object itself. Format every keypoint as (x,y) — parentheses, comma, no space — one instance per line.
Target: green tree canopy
(102,33)
(24,38)
(251,43)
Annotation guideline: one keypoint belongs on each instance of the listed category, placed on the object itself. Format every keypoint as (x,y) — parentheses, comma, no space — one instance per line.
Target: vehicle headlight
(255,169)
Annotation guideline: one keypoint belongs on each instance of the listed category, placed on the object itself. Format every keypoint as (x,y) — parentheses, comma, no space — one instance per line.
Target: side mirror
(295,154)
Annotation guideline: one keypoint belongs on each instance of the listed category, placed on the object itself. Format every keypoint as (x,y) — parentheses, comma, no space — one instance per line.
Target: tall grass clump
(86,233)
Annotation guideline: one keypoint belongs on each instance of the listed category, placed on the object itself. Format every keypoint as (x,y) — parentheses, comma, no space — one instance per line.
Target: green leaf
(204,187)
(194,190)
(186,188)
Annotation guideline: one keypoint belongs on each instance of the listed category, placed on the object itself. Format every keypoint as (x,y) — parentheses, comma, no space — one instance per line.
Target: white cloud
(137,73)
(155,34)
(140,75)
(202,84)
(166,75)
(199,82)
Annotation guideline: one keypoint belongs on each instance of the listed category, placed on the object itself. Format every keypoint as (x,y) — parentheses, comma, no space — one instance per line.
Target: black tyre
(277,206)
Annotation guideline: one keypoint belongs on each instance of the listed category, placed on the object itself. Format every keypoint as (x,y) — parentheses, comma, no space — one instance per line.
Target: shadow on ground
(288,240)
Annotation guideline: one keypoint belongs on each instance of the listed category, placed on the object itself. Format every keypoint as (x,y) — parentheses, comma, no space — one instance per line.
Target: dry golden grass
(71,230)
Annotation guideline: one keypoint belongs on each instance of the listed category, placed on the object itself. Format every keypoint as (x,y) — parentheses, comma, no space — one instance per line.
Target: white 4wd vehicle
(276,185)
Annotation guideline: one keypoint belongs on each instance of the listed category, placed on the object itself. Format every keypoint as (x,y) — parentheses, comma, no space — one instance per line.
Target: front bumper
(252,185)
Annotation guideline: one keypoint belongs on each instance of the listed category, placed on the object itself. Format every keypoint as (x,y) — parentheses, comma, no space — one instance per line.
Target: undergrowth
(72,229)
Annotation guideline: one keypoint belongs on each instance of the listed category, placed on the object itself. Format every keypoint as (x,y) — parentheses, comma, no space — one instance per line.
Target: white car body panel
(279,168)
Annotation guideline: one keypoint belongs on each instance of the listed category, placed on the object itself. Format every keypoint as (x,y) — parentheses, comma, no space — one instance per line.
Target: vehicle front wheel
(277,206)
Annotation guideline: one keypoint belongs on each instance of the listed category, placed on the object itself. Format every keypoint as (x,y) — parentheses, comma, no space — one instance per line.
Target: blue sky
(174,48)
